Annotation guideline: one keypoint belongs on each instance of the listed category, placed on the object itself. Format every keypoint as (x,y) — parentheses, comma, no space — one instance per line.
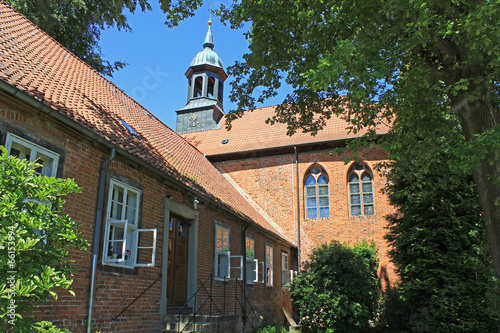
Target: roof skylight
(127,126)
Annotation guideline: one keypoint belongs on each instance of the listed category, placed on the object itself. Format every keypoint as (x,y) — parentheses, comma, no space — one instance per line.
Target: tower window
(360,189)
(219,91)
(211,87)
(317,198)
(198,87)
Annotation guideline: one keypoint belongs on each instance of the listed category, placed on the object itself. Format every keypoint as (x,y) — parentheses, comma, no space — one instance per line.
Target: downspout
(298,203)
(244,309)
(98,218)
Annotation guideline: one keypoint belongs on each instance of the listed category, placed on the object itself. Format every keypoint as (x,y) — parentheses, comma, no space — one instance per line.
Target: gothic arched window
(317,198)
(360,189)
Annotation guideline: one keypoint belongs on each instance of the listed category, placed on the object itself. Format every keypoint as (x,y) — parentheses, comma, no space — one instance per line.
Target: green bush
(35,236)
(272,329)
(339,288)
(47,327)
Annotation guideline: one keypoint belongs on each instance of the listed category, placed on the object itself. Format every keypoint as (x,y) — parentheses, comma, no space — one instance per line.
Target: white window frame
(131,234)
(269,267)
(293,275)
(238,266)
(285,272)
(223,252)
(35,150)
(262,272)
(251,262)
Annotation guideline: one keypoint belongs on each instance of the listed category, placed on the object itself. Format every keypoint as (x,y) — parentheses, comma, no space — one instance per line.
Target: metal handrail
(210,299)
(159,277)
(195,295)
(248,302)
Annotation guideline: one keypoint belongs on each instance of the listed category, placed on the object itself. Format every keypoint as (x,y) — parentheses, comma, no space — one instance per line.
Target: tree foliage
(35,236)
(362,59)
(447,281)
(77,24)
(338,289)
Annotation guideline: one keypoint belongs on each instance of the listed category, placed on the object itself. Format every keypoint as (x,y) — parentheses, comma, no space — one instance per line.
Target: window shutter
(224,264)
(256,261)
(263,272)
(293,274)
(121,224)
(239,266)
(151,248)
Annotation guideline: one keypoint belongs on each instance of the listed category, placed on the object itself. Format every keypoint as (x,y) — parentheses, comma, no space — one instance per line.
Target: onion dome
(207,56)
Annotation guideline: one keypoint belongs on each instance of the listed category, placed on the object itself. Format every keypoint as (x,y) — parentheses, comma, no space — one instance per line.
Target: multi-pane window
(126,244)
(269,265)
(360,190)
(25,149)
(252,263)
(222,252)
(317,199)
(285,271)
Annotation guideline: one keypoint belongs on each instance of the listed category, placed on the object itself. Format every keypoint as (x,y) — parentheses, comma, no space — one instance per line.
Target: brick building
(207,212)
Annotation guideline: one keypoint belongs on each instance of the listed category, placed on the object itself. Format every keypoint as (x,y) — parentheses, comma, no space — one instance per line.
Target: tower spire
(206,76)
(209,39)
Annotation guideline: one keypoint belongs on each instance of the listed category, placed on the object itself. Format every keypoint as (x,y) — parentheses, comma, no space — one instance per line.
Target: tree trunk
(476,117)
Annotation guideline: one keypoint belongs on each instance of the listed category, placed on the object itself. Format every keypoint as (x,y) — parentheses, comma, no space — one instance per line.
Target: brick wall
(271,182)
(117,287)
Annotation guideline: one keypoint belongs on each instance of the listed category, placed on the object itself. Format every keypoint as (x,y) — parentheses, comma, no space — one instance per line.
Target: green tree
(338,289)
(77,24)
(447,281)
(35,236)
(361,59)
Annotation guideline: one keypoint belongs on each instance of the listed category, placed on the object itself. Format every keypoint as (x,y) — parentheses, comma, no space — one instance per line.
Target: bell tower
(206,76)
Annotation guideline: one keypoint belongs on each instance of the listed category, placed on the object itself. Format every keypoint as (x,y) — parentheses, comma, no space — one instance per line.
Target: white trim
(137,247)
(34,151)
(240,266)
(269,278)
(222,253)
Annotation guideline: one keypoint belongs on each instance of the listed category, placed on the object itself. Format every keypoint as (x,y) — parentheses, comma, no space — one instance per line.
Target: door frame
(192,216)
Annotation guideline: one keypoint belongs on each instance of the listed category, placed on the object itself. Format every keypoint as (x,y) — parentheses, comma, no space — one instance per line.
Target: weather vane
(210,18)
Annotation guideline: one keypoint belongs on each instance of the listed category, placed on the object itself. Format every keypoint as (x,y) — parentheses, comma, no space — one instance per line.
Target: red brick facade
(271,183)
(115,287)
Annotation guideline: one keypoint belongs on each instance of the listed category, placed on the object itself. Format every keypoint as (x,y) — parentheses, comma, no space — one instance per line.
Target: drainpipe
(298,204)
(244,310)
(95,250)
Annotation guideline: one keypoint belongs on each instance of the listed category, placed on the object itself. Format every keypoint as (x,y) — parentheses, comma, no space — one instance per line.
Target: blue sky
(159,56)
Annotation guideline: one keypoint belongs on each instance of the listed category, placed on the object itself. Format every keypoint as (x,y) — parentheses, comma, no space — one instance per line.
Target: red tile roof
(250,132)
(36,64)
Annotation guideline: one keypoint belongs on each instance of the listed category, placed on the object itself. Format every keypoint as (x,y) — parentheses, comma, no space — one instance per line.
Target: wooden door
(177,262)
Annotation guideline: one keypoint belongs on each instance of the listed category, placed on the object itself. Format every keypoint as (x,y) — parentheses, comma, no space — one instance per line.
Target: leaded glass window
(360,187)
(317,197)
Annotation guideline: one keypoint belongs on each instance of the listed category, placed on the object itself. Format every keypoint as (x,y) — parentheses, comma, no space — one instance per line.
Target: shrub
(338,289)
(35,236)
(272,329)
